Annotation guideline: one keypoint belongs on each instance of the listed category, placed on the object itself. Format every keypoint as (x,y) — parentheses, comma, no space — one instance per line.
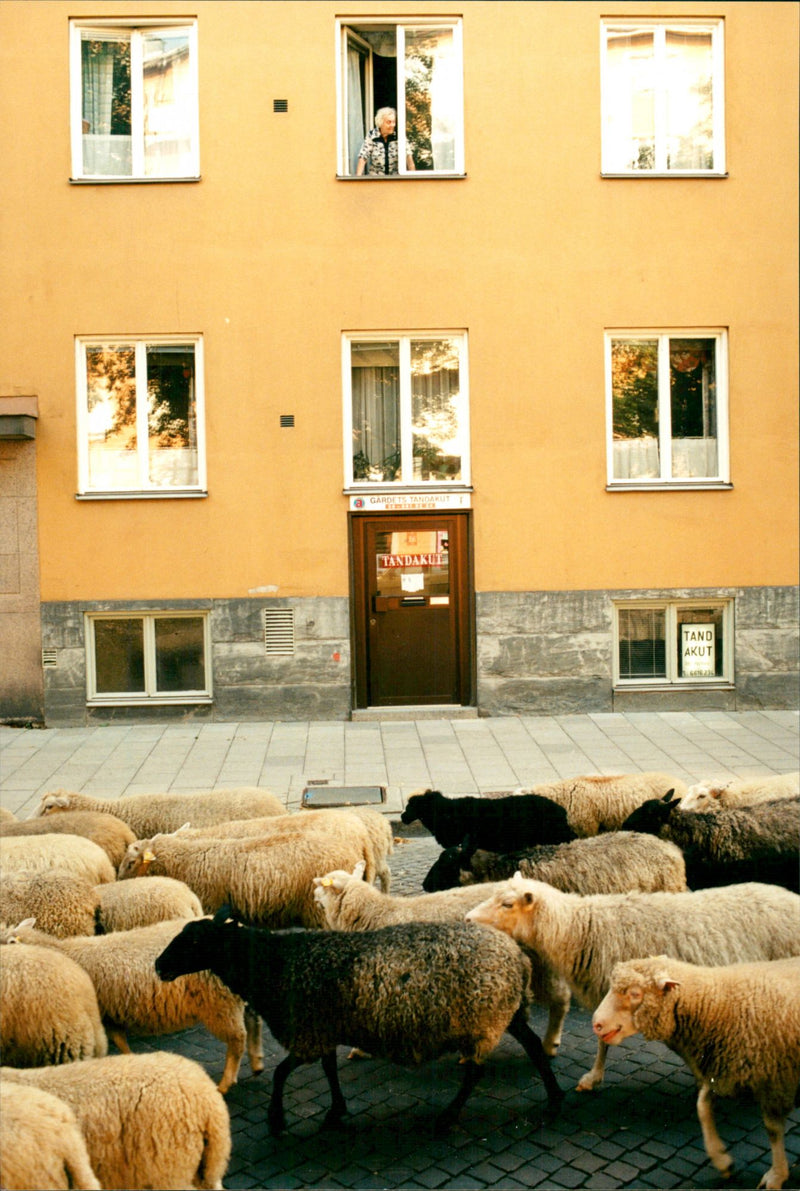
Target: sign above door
(409,502)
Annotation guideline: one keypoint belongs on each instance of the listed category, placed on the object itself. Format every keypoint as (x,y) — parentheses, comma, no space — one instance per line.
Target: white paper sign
(698,650)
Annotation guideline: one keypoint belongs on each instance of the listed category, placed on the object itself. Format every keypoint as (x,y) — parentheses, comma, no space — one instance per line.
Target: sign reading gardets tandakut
(385,561)
(698,650)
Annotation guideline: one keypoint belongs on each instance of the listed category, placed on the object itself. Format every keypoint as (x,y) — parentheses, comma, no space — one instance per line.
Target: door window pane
(435,409)
(375,374)
(634,381)
(119,656)
(413,563)
(642,643)
(180,651)
(432,97)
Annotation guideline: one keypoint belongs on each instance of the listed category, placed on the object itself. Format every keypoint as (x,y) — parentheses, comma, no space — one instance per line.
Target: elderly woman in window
(379,152)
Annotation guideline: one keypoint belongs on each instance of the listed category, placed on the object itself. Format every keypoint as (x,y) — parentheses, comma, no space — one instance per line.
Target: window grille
(279,630)
(49,659)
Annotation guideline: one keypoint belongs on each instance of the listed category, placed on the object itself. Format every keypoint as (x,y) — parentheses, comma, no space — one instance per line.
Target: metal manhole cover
(316,796)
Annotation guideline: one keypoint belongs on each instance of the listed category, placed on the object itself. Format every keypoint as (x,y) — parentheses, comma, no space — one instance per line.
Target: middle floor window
(140,421)
(666,408)
(406,408)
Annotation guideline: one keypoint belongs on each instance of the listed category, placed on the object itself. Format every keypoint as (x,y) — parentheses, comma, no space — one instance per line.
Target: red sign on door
(410,560)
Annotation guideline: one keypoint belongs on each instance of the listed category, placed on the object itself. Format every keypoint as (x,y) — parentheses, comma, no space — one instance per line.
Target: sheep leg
(518,1028)
(275,1113)
(448,1116)
(557,1013)
(233,1061)
(338,1108)
(778,1173)
(255,1051)
(715,1147)
(592,1078)
(118,1037)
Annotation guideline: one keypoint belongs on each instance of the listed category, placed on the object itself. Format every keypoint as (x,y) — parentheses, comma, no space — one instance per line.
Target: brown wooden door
(412,614)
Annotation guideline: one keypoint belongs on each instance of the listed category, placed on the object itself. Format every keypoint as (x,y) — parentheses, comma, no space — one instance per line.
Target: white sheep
(267,882)
(109,832)
(733,792)
(148,814)
(128,904)
(737,1027)
(582,937)
(37,853)
(41,1144)
(7,816)
(151,1120)
(48,1008)
(349,904)
(599,802)
(132,999)
(63,903)
(371,826)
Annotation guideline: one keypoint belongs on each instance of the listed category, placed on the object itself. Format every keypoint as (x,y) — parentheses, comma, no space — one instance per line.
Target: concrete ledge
(432,711)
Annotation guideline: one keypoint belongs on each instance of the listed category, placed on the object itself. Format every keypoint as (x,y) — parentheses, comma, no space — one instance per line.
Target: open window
(415,68)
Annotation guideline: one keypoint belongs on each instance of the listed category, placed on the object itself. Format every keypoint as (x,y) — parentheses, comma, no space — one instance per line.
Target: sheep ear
(665,983)
(518,875)
(715,792)
(358,871)
(183,827)
(223,914)
(24,925)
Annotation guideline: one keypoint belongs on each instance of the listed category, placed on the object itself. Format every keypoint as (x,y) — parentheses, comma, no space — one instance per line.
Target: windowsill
(132,181)
(670,486)
(412,176)
(692,175)
(685,684)
(178,494)
(145,702)
(421,486)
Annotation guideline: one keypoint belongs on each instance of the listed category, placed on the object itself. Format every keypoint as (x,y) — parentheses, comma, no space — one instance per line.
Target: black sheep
(730,845)
(495,824)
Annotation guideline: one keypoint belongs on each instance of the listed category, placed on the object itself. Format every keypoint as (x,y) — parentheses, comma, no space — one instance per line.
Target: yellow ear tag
(149,857)
(326,881)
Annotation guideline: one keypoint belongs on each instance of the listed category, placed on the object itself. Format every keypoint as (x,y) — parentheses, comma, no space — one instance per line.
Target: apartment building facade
(511,429)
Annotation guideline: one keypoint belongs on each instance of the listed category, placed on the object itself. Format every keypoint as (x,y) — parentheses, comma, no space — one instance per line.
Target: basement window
(673,642)
(147,658)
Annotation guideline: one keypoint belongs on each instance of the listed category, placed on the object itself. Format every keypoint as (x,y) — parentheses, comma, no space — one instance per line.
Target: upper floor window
(663,107)
(666,408)
(406,409)
(140,421)
(400,97)
(134,100)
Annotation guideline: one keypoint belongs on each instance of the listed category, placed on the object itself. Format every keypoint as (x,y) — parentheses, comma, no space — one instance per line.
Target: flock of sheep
(669,912)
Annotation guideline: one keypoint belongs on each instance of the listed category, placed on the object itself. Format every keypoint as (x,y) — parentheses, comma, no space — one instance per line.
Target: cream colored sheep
(38,853)
(596,802)
(48,1008)
(128,904)
(735,792)
(7,816)
(148,814)
(41,1144)
(268,882)
(107,831)
(62,903)
(737,1027)
(132,999)
(152,1120)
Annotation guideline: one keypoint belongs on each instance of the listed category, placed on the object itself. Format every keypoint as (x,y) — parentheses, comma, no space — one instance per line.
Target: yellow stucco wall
(271,258)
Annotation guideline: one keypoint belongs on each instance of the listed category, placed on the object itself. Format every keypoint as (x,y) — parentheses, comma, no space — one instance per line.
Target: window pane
(693,404)
(111,421)
(375,371)
(630,101)
(431,97)
(413,563)
(435,408)
(689,114)
(168,105)
(106,104)
(642,643)
(119,656)
(180,661)
(634,388)
(700,643)
(171,416)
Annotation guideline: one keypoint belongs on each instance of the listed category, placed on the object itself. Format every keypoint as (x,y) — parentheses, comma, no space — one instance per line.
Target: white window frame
(347,27)
(671,607)
(135,28)
(666,481)
(404,338)
(150,695)
(659,27)
(146,490)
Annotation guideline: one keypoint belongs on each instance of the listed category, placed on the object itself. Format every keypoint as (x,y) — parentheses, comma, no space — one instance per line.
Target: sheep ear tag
(147,858)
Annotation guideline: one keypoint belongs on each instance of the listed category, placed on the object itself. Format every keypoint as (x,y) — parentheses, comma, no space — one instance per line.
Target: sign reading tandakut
(698,650)
(410,560)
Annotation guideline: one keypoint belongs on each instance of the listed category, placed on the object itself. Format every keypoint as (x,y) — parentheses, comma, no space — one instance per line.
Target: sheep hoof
(334,1120)
(276,1122)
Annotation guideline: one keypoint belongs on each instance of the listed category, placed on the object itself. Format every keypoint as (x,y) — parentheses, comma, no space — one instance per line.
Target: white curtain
(355,107)
(376,424)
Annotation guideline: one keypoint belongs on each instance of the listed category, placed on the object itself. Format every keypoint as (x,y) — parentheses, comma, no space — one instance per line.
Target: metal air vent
(279,630)
(287,420)
(280,105)
(49,659)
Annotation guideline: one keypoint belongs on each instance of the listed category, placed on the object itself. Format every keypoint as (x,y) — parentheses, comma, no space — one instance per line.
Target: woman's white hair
(382,113)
